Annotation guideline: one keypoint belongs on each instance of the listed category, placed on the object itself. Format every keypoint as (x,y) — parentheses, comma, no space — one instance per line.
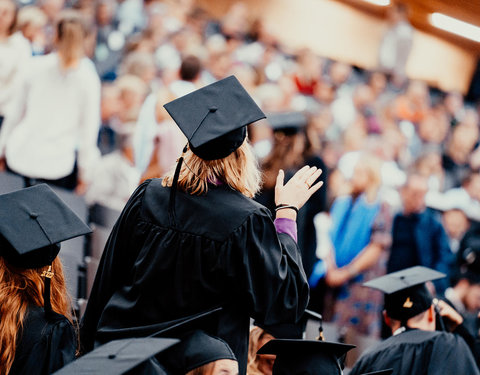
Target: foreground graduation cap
(127,356)
(33,221)
(381,372)
(214,118)
(306,356)
(405,292)
(195,350)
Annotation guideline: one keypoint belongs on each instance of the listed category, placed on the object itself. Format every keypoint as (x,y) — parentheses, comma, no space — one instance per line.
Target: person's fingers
(315,187)
(311,180)
(300,173)
(280,178)
(309,173)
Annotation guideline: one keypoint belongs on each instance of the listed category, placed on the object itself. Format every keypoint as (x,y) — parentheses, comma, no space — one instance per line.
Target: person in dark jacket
(196,239)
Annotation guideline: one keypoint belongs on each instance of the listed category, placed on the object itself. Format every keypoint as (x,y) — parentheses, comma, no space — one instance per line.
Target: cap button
(33,215)
(213,109)
(112,356)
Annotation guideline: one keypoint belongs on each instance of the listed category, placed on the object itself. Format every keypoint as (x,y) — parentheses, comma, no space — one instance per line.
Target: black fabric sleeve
(452,356)
(113,266)
(271,279)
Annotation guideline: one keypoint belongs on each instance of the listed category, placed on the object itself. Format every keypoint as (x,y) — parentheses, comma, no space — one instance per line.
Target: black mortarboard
(214,118)
(195,350)
(305,356)
(33,221)
(289,123)
(117,357)
(291,331)
(406,294)
(381,372)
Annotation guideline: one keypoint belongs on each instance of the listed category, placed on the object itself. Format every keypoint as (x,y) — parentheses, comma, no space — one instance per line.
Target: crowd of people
(83,86)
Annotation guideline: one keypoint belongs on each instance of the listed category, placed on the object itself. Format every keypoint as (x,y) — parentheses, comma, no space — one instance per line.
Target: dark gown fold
(45,344)
(223,251)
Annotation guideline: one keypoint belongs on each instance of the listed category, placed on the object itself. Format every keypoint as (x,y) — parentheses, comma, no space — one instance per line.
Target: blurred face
(455,223)
(225,367)
(413,195)
(472,298)
(359,179)
(7,16)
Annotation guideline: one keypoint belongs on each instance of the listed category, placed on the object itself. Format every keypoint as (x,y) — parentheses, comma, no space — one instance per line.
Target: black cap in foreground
(405,292)
(214,118)
(33,221)
(381,372)
(306,356)
(196,349)
(120,357)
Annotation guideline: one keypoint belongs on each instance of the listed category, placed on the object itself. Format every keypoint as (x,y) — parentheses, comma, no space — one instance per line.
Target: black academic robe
(45,345)
(417,352)
(222,250)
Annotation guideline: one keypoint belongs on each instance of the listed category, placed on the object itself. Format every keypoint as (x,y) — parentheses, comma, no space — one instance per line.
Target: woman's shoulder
(41,323)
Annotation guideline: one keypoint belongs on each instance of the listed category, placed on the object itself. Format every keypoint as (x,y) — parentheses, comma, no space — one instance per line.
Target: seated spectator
(115,177)
(31,22)
(418,237)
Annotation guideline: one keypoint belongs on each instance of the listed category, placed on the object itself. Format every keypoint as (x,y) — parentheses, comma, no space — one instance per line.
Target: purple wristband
(287,226)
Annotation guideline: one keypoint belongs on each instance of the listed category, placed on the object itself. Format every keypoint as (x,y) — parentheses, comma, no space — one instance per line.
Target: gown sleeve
(112,267)
(452,356)
(269,271)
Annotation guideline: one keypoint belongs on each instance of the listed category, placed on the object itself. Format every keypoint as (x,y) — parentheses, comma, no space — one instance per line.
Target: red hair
(19,289)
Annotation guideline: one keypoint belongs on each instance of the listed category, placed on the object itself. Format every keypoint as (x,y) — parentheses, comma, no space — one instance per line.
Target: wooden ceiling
(419,10)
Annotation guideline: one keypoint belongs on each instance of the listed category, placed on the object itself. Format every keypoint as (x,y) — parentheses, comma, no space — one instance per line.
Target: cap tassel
(48,274)
(173,191)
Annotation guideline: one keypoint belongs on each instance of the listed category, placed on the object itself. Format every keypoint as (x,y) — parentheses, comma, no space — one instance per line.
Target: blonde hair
(19,289)
(239,170)
(71,34)
(31,15)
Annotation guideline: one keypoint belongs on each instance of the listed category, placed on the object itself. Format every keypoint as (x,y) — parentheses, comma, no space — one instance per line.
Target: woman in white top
(55,118)
(14,54)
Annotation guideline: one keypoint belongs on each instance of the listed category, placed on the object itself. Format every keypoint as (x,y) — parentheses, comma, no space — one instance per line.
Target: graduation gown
(416,352)
(45,345)
(222,250)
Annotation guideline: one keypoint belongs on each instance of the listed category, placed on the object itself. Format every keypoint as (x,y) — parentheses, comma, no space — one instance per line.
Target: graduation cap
(292,331)
(127,356)
(33,222)
(195,349)
(305,356)
(214,120)
(406,294)
(381,372)
(289,123)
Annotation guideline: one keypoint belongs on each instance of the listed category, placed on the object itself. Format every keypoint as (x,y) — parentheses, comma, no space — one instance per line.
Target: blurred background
(382,95)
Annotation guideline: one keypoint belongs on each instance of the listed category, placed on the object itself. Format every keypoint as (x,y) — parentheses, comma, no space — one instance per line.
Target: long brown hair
(19,289)
(71,34)
(239,170)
